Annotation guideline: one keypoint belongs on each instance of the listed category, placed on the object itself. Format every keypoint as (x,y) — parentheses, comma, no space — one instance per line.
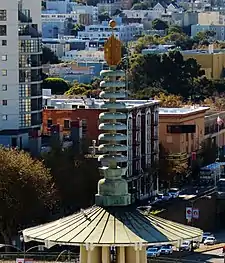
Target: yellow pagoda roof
(117,226)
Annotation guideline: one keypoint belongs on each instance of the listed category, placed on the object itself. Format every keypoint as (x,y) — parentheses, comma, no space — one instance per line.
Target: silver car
(166,250)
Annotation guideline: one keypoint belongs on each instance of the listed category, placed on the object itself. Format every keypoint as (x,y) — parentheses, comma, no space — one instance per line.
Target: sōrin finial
(112,48)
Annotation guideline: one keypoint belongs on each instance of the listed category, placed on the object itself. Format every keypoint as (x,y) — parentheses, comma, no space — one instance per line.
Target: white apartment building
(84,55)
(103,31)
(20,73)
(67,6)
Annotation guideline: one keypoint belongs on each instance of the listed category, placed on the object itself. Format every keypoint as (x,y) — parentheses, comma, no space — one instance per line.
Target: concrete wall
(207,213)
(213,64)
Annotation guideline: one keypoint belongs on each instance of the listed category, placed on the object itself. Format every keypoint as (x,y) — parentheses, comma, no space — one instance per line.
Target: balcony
(29,30)
(24,16)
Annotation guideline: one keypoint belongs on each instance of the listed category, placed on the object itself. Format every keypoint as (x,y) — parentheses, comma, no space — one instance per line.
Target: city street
(214,256)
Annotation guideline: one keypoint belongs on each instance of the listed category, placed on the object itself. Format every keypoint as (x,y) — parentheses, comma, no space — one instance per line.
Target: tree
(143,42)
(158,24)
(169,169)
(175,29)
(140,6)
(73,180)
(27,192)
(77,28)
(56,85)
(89,90)
(208,152)
(169,101)
(48,56)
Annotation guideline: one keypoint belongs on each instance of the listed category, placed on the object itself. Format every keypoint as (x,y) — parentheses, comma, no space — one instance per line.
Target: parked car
(196,244)
(153,252)
(174,192)
(185,246)
(210,241)
(166,250)
(205,235)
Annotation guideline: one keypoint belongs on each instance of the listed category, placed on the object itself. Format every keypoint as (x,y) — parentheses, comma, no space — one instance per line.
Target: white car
(205,235)
(185,246)
(166,250)
(174,192)
(210,241)
(153,252)
(166,197)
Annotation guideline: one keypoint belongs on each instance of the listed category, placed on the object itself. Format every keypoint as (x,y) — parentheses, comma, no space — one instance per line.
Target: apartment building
(142,133)
(103,31)
(20,70)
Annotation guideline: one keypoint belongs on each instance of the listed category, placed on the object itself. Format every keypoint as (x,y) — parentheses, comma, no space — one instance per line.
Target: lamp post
(23,243)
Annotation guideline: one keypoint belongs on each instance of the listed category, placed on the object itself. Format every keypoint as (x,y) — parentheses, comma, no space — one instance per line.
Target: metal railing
(64,256)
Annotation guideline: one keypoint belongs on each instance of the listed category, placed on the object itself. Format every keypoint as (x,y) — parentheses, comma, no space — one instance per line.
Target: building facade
(218,29)
(103,31)
(21,68)
(181,131)
(142,134)
(211,61)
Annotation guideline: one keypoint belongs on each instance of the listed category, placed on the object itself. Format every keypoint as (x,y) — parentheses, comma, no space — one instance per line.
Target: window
(25,105)
(181,128)
(49,123)
(4,117)
(24,90)
(4,72)
(84,128)
(4,42)
(4,87)
(25,120)
(66,124)
(4,102)
(3,30)
(3,15)
(4,57)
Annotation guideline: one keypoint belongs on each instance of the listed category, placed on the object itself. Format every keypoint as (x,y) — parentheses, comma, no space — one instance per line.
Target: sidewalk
(209,248)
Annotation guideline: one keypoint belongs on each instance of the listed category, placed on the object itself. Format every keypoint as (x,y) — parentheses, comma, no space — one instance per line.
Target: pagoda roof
(106,226)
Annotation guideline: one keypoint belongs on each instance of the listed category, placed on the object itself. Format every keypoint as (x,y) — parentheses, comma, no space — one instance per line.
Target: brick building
(142,134)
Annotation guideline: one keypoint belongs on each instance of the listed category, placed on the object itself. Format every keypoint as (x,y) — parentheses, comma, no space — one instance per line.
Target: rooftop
(119,226)
(182,111)
(90,103)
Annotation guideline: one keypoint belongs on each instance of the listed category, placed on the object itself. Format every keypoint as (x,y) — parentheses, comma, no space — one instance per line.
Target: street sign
(195,213)
(188,213)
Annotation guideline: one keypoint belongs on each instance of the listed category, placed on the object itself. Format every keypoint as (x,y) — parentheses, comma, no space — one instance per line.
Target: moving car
(174,192)
(185,246)
(153,252)
(166,250)
(210,241)
(205,235)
